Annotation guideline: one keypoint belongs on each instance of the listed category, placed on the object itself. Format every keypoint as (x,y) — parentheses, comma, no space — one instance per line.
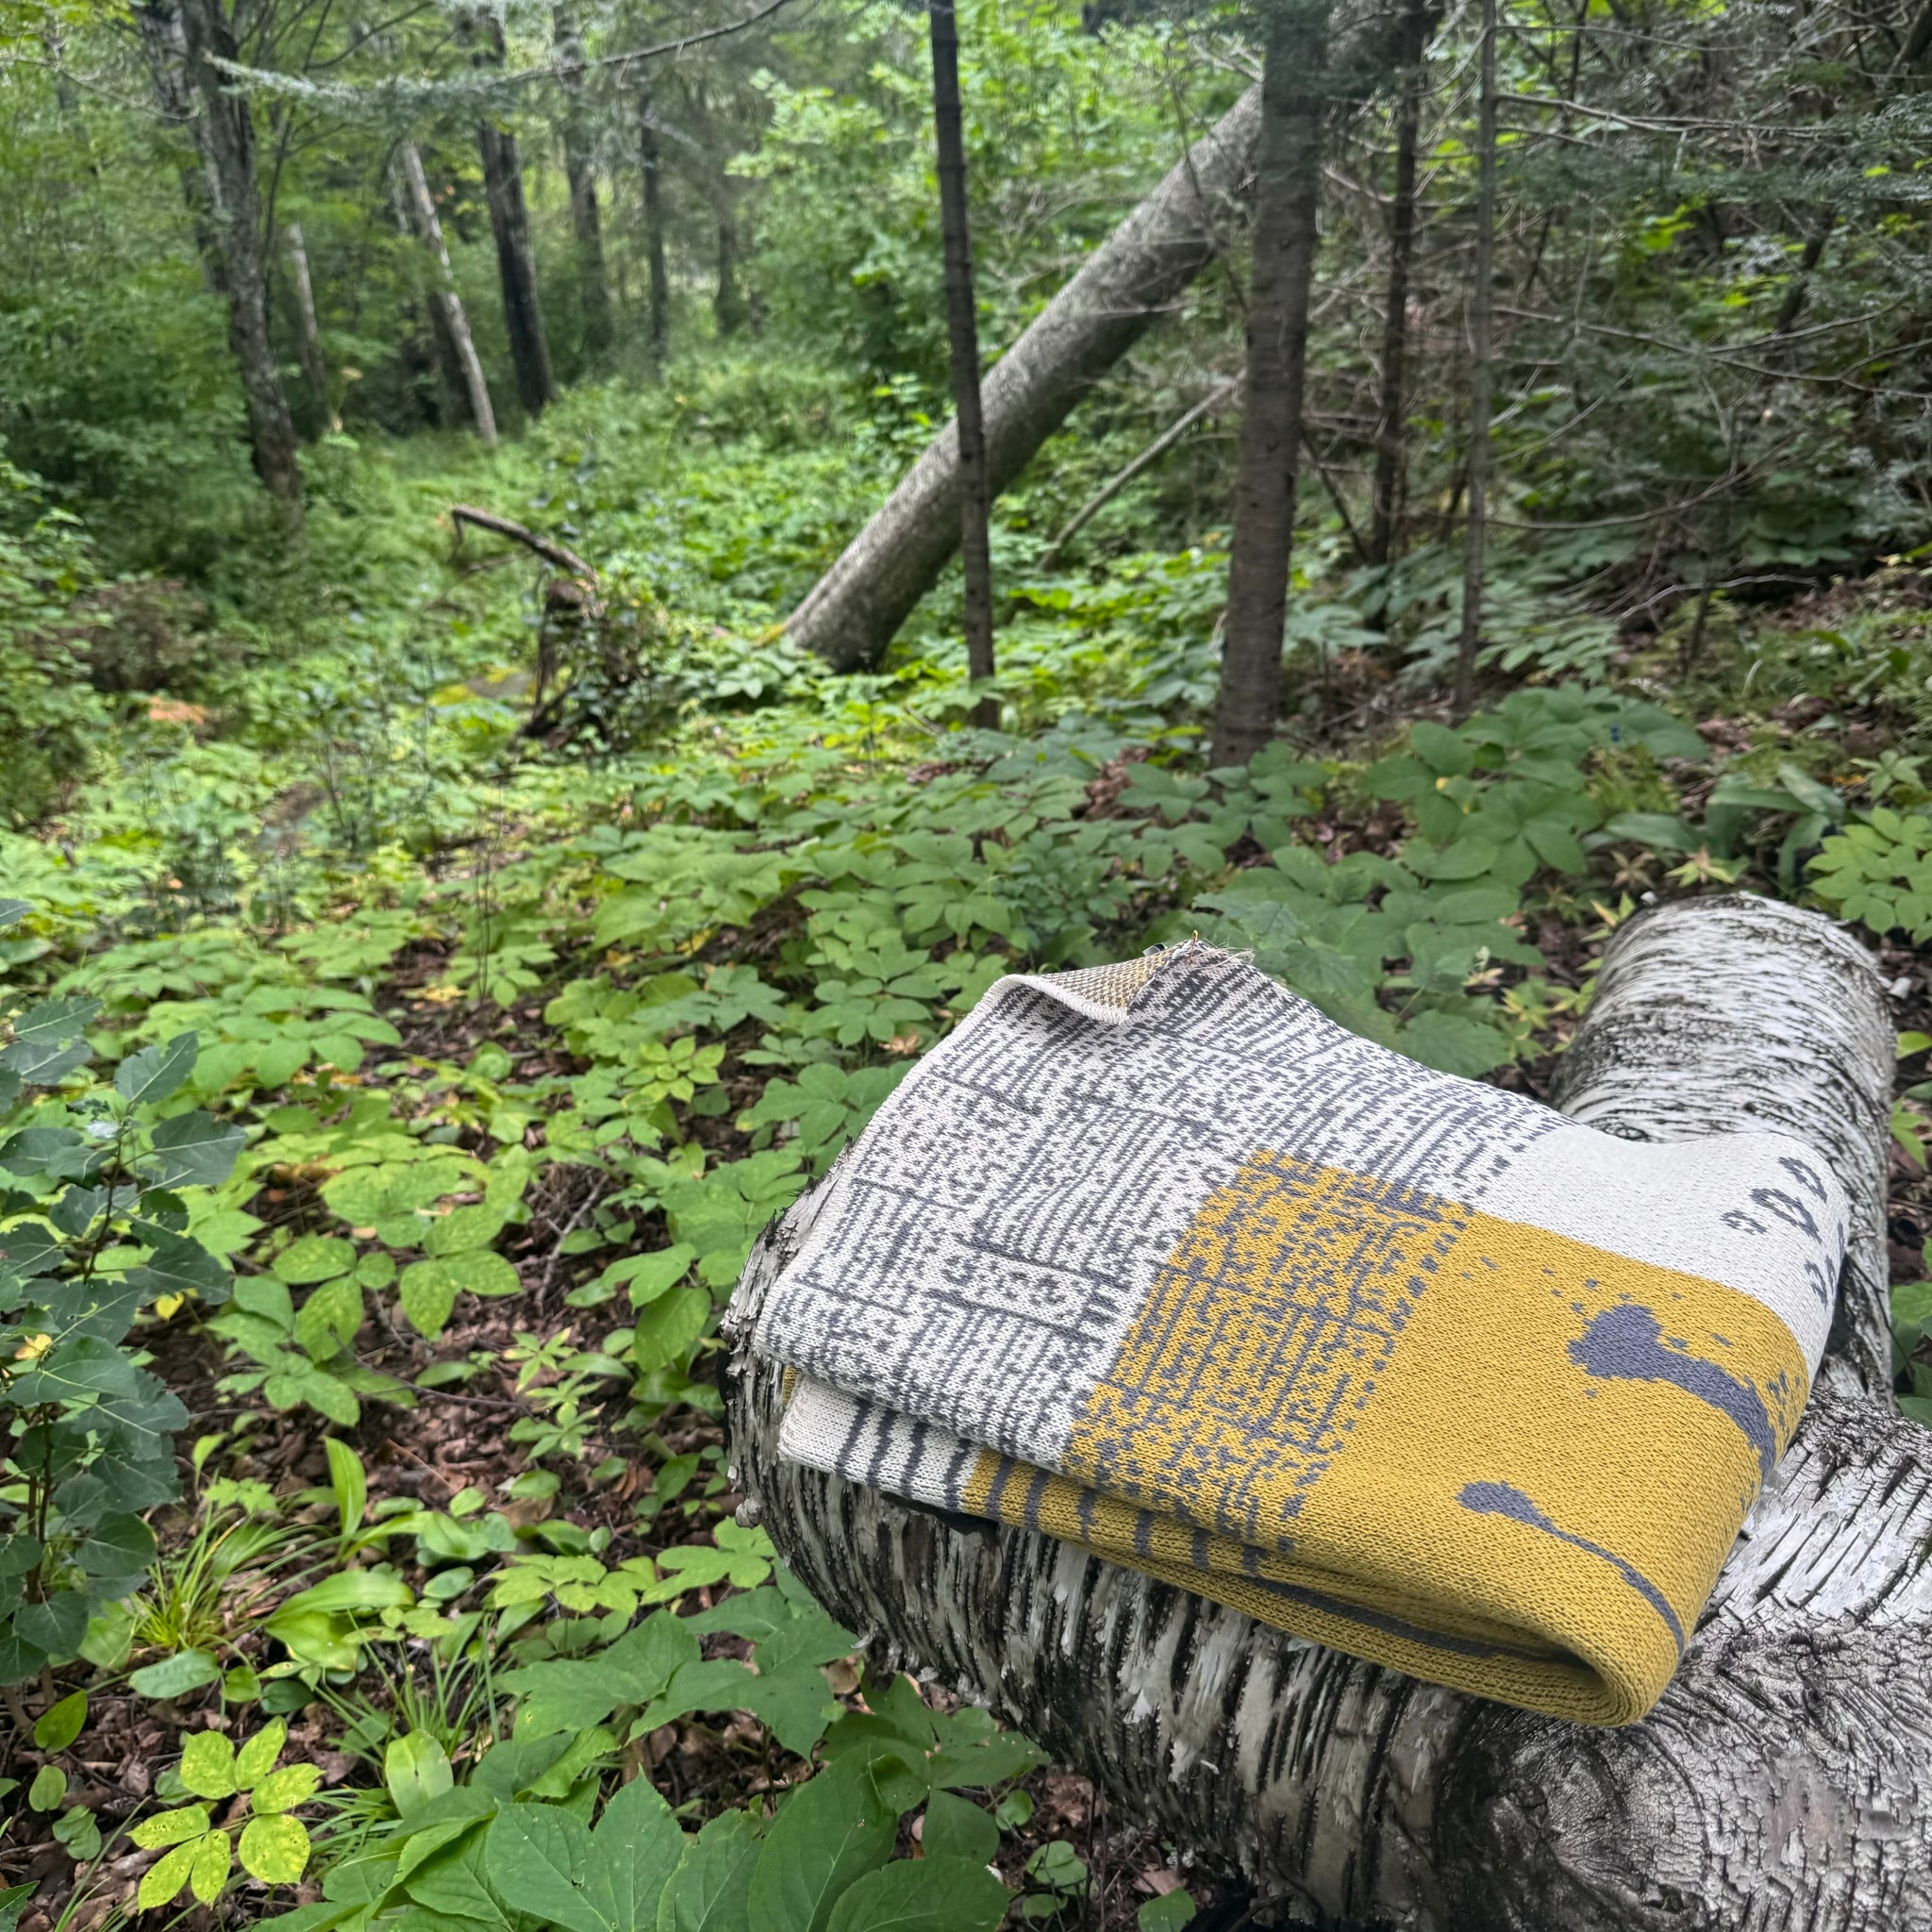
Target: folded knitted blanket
(1157,1260)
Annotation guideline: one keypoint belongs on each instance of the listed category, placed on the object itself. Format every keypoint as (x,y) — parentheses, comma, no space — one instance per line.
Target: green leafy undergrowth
(1404,951)
(95,1182)
(1878,871)
(501,1851)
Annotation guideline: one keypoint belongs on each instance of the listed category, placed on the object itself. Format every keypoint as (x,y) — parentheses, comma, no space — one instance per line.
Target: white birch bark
(308,335)
(1784,1779)
(443,293)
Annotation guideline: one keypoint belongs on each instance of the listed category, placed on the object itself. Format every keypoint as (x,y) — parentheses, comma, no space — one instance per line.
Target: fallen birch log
(1784,1779)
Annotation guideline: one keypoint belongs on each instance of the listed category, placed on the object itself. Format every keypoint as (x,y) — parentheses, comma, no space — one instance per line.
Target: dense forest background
(448,914)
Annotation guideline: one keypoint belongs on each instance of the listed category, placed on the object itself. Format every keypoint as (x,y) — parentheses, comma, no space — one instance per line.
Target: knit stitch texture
(1159,1260)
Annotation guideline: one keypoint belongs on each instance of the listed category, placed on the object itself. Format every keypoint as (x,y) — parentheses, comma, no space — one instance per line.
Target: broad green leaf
(957,1827)
(48,1789)
(60,1723)
(119,1546)
(483,1273)
(256,1758)
(57,1625)
(535,1856)
(210,1872)
(667,1326)
(576,1694)
(167,1876)
(429,1289)
(932,1894)
(1166,1913)
(284,1789)
(827,1837)
(710,1890)
(636,1847)
(146,1079)
(328,1320)
(315,1257)
(452,1883)
(208,1764)
(275,1850)
(427,1293)
(178,1264)
(169,1828)
(194,1150)
(463,1230)
(650,1276)
(416,1770)
(175,1677)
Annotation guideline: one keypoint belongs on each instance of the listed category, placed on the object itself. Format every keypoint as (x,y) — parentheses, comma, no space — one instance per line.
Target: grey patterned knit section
(999,1223)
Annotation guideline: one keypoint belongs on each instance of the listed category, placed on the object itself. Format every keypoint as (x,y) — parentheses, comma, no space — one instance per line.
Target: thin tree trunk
(1119,293)
(1481,332)
(228,132)
(1390,440)
(1122,288)
(581,171)
(1219,393)
(962,334)
(516,266)
(314,369)
(1781,1782)
(651,166)
(516,259)
(1287,200)
(1801,279)
(453,323)
(727,305)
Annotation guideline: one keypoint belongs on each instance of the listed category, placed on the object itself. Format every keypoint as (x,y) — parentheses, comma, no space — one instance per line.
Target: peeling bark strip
(1785,1780)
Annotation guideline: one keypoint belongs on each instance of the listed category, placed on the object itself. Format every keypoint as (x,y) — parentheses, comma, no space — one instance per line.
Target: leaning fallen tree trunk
(1784,1779)
(850,617)
(1120,290)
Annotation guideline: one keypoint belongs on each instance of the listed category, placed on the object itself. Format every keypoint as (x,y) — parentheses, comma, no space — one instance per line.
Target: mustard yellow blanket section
(1561,1441)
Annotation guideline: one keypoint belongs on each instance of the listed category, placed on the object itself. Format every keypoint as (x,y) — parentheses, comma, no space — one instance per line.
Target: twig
(1152,453)
(588,1201)
(546,548)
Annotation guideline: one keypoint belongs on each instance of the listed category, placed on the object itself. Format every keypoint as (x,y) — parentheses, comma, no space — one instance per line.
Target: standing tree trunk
(1288,186)
(1390,438)
(314,369)
(1481,347)
(445,304)
(1779,1786)
(516,266)
(227,134)
(962,334)
(651,164)
(580,170)
(516,259)
(727,305)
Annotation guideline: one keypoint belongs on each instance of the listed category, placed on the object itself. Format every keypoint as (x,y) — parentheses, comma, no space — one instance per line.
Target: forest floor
(529,1036)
